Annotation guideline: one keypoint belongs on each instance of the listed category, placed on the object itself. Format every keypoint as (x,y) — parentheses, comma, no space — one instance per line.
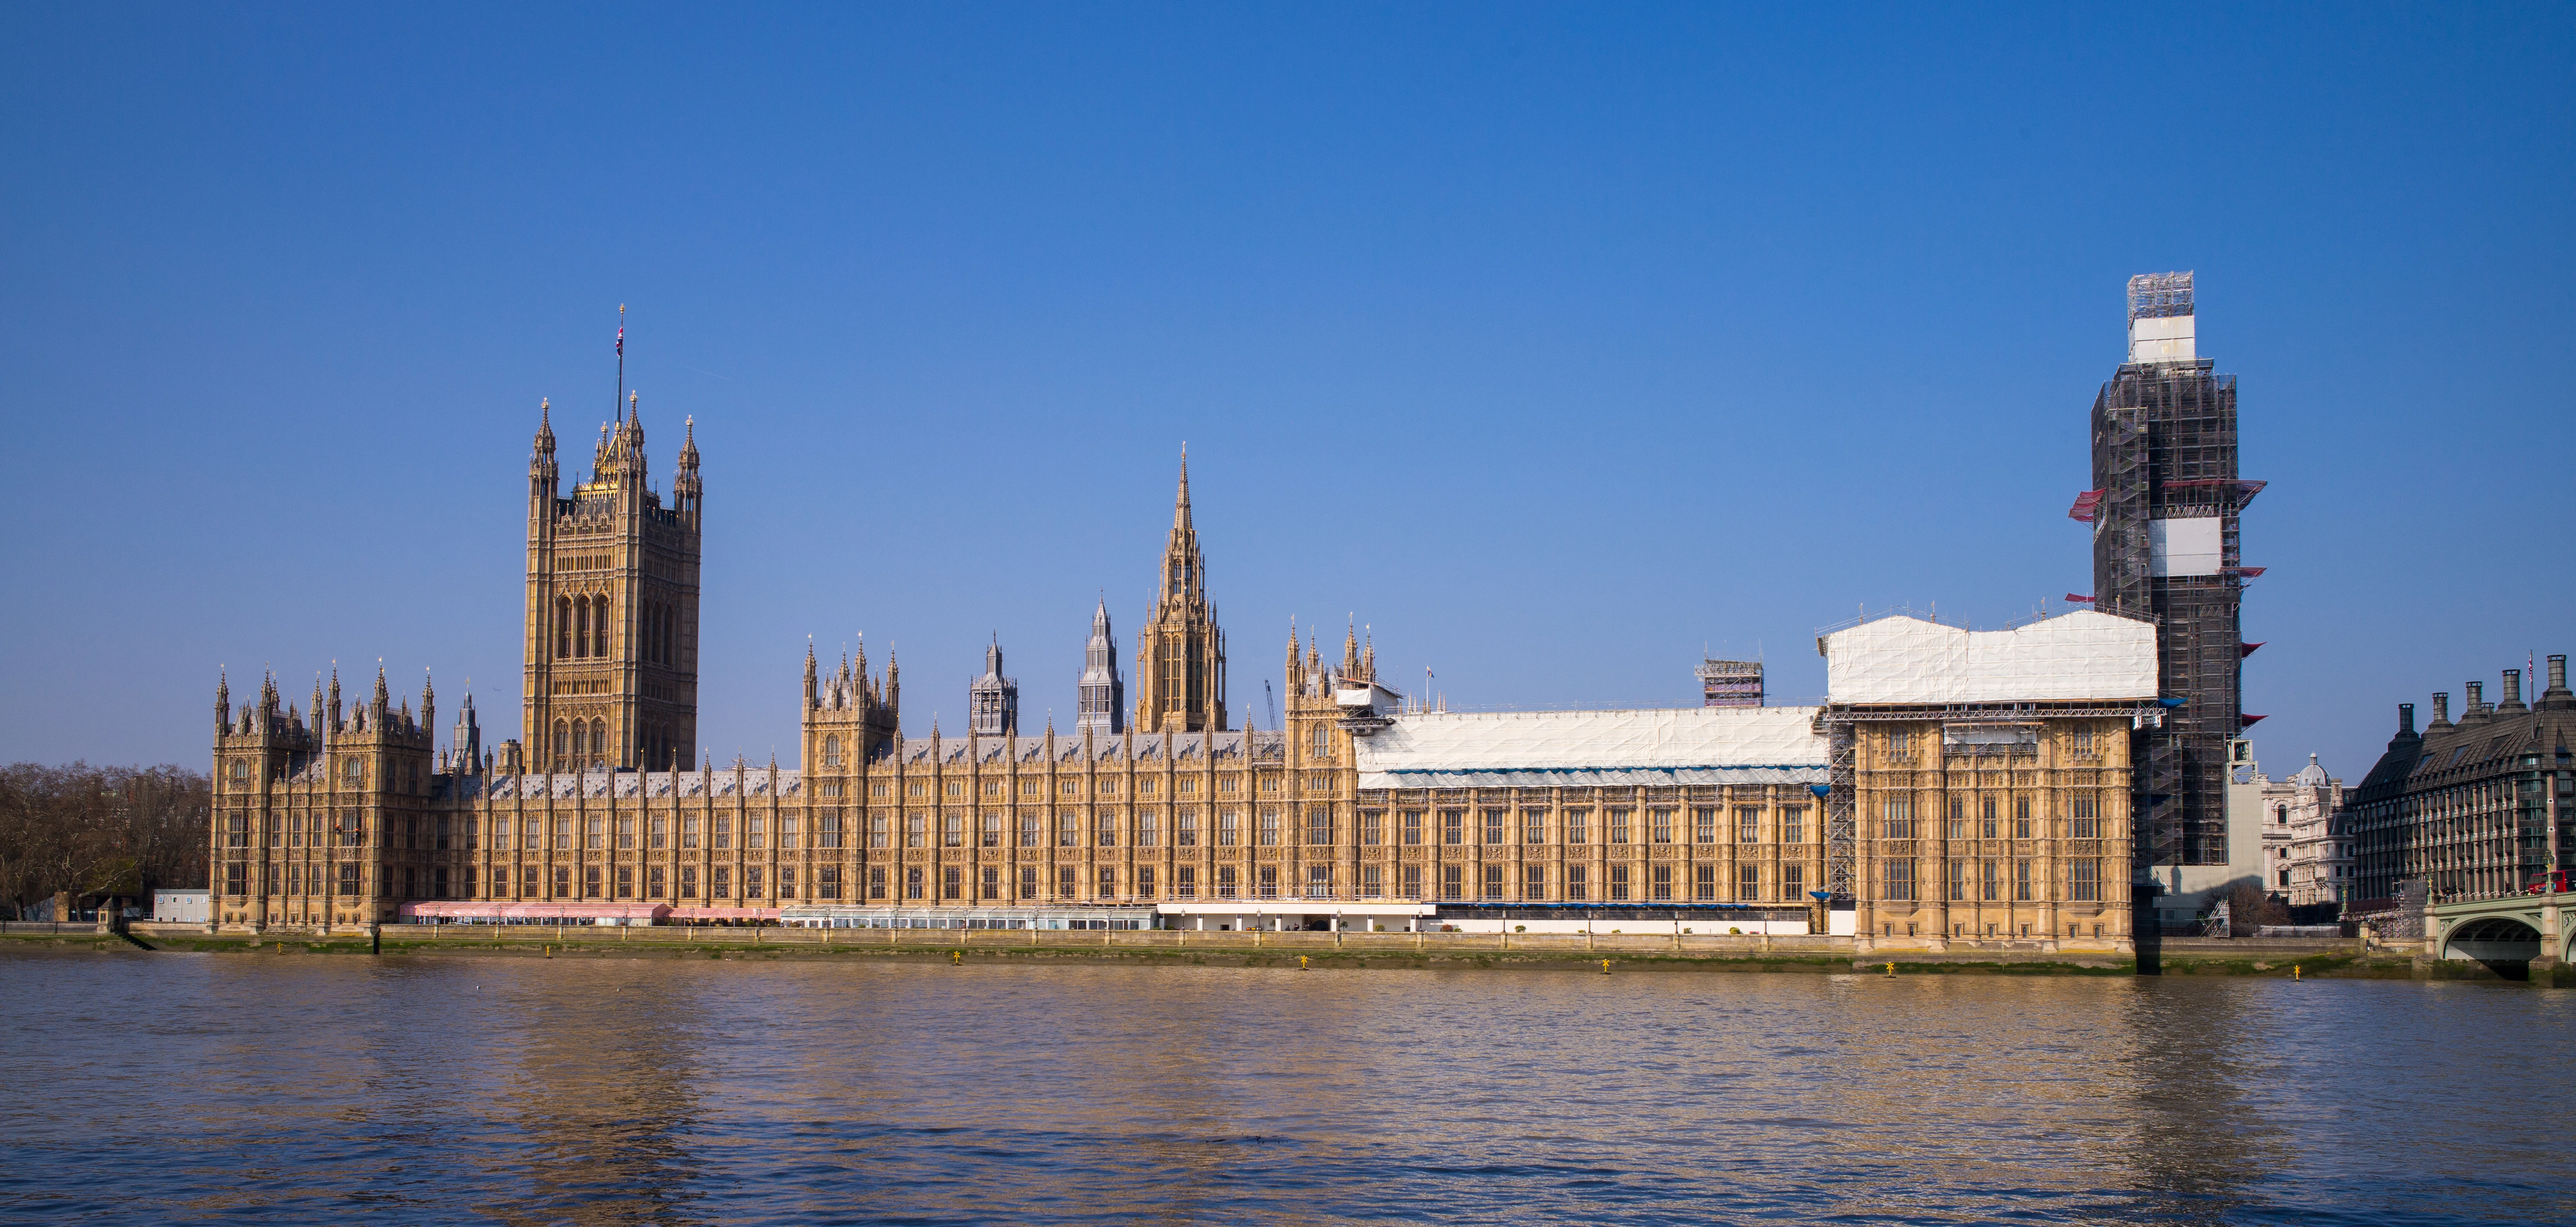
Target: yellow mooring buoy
(1605,967)
(2294,972)
(1891,969)
(956,958)
(1301,962)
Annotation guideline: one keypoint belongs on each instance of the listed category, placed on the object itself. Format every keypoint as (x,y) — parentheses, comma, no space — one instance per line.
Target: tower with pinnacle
(1180,653)
(611,643)
(993,701)
(1103,693)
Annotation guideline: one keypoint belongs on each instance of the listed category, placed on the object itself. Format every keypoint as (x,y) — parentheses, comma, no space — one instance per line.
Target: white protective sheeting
(2185,547)
(1761,742)
(2082,655)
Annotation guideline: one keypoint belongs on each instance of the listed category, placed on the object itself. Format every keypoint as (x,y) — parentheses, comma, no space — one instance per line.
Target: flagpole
(621,360)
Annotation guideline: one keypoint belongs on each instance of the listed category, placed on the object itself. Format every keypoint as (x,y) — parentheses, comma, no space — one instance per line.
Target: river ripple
(180,1088)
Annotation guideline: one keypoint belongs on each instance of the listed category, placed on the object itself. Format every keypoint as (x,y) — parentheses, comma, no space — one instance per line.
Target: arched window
(563,627)
(599,626)
(1323,741)
(832,751)
(580,738)
(598,743)
(560,747)
(581,627)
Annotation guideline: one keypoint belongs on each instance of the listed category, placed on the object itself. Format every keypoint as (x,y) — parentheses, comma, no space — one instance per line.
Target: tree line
(100,830)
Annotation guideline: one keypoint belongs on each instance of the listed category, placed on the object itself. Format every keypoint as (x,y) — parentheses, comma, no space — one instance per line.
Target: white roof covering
(2073,656)
(1689,745)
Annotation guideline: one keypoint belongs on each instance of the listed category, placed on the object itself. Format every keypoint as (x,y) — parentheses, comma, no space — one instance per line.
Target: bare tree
(99,830)
(2249,909)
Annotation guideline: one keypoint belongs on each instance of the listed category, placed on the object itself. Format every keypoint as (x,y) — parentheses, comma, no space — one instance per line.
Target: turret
(993,701)
(223,703)
(1103,694)
(468,741)
(686,491)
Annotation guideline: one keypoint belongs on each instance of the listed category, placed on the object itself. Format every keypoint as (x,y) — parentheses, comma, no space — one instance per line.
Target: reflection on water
(176,1087)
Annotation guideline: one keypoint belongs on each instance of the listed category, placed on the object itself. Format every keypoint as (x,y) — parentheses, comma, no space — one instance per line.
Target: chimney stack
(2474,707)
(2405,719)
(2441,710)
(2512,691)
(2557,697)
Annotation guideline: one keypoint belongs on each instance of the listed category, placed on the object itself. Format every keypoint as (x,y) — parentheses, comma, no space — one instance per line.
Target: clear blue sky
(1554,342)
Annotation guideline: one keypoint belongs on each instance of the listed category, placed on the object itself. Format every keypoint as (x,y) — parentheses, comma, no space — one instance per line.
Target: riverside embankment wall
(1638,952)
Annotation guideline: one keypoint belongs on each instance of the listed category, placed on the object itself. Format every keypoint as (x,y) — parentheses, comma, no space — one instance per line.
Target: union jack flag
(621,340)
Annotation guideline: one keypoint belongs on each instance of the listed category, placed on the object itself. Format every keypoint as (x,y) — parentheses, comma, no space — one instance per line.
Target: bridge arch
(2506,944)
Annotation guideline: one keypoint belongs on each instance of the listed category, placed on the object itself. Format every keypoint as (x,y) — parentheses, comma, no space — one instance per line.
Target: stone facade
(2006,823)
(2307,846)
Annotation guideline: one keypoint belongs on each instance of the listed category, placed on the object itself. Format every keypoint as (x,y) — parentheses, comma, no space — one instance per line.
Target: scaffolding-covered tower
(2164,508)
(1730,683)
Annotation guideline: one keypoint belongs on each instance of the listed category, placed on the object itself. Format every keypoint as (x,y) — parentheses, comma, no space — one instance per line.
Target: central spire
(1181,502)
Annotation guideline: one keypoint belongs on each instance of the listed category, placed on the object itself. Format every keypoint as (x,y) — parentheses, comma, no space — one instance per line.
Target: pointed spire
(1351,649)
(1181,502)
(223,693)
(545,426)
(383,696)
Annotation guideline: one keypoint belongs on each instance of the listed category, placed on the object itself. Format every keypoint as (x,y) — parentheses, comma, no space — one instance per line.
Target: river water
(190,1088)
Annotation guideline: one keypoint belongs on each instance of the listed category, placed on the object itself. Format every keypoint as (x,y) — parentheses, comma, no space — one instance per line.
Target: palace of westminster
(352,814)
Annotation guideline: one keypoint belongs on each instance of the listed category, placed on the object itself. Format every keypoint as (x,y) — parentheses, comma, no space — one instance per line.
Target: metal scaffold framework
(2165,508)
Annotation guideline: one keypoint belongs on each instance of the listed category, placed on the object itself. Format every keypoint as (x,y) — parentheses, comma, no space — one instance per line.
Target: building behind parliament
(1959,787)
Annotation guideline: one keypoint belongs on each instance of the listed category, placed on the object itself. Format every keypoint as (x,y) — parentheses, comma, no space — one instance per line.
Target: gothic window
(1988,828)
(1793,824)
(599,626)
(1660,883)
(832,751)
(992,828)
(598,742)
(2021,817)
(1748,825)
(1108,884)
(580,738)
(1659,825)
(1185,827)
(1323,741)
(1578,826)
(561,736)
(1319,825)
(563,627)
(1748,883)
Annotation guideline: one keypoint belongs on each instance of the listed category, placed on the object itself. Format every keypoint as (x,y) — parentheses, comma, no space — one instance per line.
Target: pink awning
(684,914)
(473,910)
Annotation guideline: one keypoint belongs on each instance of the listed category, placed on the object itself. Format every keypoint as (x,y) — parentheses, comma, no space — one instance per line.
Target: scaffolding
(1730,683)
(2164,466)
